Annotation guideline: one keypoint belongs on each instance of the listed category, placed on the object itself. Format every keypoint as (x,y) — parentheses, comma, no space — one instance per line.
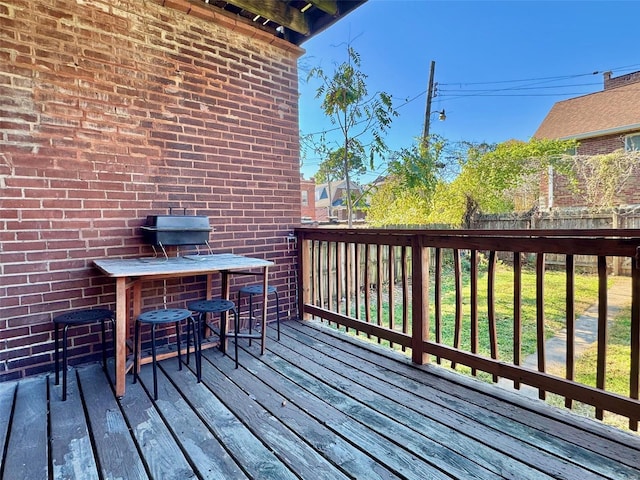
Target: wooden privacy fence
(568,218)
(388,285)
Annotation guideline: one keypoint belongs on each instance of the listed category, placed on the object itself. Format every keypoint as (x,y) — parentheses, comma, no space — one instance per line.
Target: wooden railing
(387,285)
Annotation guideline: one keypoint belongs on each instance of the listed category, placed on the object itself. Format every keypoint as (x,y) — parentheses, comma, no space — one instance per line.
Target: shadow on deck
(318,405)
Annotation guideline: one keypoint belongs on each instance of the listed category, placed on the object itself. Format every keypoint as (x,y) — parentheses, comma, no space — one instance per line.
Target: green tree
(332,169)
(358,116)
(492,175)
(490,179)
(405,197)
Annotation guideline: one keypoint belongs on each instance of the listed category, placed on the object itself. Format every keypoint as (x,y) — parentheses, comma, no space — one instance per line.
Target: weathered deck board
(366,444)
(7,393)
(248,451)
(71,452)
(588,456)
(318,405)
(28,448)
(207,455)
(358,405)
(510,407)
(449,431)
(274,397)
(117,452)
(292,448)
(161,452)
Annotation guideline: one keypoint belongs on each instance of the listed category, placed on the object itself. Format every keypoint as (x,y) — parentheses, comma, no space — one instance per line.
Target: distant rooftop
(616,109)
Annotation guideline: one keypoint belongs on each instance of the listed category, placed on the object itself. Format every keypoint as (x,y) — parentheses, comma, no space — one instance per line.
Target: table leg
(265,284)
(137,310)
(224,320)
(121,335)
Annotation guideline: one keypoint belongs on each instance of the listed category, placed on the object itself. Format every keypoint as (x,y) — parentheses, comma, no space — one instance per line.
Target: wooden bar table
(130,273)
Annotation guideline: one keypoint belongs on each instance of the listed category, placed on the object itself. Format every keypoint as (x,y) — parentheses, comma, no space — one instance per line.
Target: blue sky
(500,65)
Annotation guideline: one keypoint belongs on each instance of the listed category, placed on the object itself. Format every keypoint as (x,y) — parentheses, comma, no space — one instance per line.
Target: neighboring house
(331,204)
(112,110)
(601,122)
(308,200)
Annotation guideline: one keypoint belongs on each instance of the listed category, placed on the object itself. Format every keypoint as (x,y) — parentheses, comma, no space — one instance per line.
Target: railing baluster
(474,304)
(356,274)
(321,284)
(571,324)
(406,299)
(437,297)
(315,279)
(331,278)
(380,277)
(340,271)
(348,277)
(601,371)
(541,337)
(367,286)
(457,334)
(517,309)
(391,306)
(491,310)
(634,373)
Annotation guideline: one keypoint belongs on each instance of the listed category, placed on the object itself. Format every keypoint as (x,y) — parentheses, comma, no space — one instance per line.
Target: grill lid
(169,230)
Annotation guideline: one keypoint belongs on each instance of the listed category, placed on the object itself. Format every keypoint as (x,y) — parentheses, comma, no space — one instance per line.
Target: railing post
(420,306)
(304,275)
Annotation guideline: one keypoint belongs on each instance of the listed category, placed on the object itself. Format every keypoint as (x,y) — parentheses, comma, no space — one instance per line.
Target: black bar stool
(163,317)
(73,319)
(214,306)
(252,290)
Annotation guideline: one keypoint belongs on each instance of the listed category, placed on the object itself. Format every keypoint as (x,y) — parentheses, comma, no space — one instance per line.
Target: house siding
(113,110)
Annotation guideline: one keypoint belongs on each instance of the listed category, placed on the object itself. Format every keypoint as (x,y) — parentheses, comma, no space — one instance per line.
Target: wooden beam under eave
(278,11)
(327,6)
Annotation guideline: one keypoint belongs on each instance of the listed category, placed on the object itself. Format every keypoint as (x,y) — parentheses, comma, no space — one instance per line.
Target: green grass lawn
(586,294)
(617,370)
(554,309)
(586,291)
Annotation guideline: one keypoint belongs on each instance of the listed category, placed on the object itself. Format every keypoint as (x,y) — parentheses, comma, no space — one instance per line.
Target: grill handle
(184,210)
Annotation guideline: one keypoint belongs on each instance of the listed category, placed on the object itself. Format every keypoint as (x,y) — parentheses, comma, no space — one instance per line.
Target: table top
(188,264)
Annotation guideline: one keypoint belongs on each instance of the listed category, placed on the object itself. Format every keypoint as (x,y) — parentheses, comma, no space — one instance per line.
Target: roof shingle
(614,110)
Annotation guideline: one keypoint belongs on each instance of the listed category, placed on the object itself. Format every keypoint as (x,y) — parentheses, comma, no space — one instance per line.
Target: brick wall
(309,186)
(601,145)
(563,193)
(620,81)
(112,110)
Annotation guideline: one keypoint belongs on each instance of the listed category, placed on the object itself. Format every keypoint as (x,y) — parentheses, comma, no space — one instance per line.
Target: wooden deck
(317,405)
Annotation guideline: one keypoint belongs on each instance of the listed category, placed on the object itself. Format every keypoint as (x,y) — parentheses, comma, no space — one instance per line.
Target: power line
(463,93)
(529,87)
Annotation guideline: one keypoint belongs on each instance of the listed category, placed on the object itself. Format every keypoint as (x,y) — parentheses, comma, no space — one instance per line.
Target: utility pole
(427,115)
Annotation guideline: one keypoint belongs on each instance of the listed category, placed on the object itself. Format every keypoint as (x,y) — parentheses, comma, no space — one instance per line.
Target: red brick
(120,136)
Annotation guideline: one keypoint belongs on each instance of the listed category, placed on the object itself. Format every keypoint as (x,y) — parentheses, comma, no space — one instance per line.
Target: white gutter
(601,133)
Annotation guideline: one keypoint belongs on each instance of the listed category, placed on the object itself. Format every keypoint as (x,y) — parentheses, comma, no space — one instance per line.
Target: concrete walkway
(618,297)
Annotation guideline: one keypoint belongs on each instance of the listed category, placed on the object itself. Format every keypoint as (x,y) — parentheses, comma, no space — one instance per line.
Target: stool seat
(257,289)
(166,315)
(84,316)
(216,305)
(161,317)
(73,319)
